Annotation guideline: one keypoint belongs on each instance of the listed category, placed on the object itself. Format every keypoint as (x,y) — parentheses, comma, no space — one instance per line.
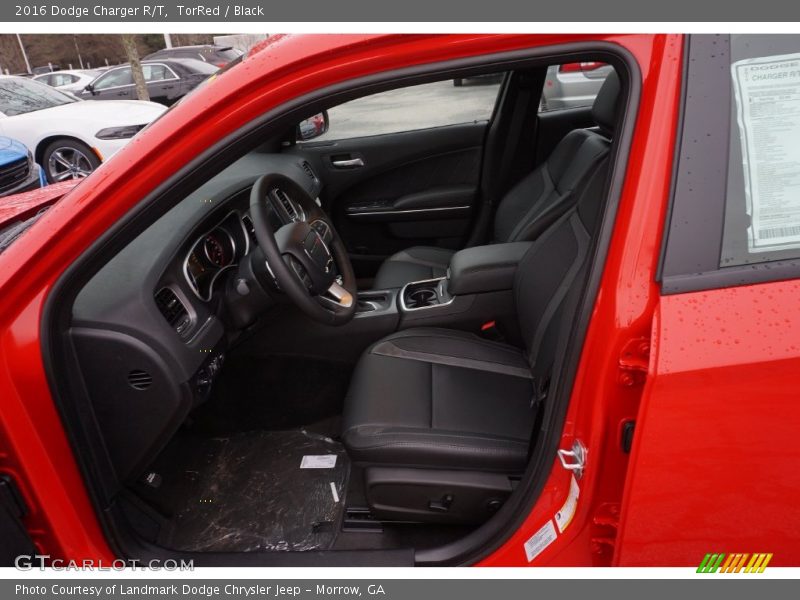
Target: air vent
(249,227)
(140,380)
(287,203)
(309,171)
(173,309)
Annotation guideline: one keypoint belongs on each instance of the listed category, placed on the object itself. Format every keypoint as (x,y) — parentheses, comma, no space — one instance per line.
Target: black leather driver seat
(531,205)
(441,420)
(441,398)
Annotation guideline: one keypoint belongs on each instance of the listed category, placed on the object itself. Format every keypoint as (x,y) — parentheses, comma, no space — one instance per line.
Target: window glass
(57,79)
(762,197)
(423,106)
(573,85)
(19,96)
(115,78)
(156,72)
(226,54)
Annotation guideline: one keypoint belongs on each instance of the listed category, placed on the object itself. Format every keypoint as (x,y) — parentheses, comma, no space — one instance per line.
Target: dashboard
(216,251)
(151,327)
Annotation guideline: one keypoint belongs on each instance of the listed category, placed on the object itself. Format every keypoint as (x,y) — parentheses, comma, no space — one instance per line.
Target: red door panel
(713,467)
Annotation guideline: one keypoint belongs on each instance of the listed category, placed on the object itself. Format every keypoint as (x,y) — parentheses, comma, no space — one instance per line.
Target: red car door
(715,448)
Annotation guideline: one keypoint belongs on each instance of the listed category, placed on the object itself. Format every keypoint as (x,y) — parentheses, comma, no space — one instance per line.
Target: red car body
(712,463)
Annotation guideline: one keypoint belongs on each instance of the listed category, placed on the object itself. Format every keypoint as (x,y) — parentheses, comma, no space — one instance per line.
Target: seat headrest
(606,105)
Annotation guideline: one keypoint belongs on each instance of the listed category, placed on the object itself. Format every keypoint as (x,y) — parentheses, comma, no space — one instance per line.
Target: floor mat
(248,492)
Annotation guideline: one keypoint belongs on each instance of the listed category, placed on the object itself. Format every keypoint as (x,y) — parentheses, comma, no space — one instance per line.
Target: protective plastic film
(251,494)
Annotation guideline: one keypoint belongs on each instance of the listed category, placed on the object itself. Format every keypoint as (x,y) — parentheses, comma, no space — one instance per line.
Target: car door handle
(350,163)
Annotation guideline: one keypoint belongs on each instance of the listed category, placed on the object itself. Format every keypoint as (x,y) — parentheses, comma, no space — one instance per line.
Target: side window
(156,72)
(416,107)
(735,215)
(573,85)
(114,78)
(58,79)
(762,196)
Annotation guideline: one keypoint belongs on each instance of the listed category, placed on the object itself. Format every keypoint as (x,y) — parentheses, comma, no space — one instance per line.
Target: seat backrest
(541,197)
(549,275)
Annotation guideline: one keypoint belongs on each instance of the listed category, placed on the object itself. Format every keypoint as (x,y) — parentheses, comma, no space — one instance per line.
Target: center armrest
(485,268)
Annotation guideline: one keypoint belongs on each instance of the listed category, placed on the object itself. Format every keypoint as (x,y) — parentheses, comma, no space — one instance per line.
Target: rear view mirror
(313,127)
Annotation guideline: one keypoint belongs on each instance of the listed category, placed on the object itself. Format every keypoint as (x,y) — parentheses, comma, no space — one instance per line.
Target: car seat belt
(527,84)
(544,381)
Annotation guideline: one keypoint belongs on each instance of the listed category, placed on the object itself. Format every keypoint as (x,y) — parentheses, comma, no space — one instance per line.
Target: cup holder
(421,298)
(424,294)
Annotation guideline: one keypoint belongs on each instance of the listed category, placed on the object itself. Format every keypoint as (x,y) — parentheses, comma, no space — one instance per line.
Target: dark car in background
(213,54)
(168,80)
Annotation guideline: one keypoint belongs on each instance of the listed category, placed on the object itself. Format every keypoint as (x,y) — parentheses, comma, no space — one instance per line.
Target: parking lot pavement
(417,107)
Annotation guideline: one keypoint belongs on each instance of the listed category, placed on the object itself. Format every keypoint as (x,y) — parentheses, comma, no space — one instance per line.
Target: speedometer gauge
(218,249)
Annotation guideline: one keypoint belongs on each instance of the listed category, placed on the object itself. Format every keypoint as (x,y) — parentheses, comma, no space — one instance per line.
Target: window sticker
(767,92)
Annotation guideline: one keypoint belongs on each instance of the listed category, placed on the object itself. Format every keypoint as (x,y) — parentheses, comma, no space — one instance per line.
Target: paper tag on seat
(318,461)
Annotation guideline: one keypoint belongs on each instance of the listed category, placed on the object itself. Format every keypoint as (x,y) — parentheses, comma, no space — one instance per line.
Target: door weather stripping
(574,460)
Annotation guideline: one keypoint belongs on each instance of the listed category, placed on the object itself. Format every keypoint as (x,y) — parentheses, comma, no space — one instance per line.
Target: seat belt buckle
(490,331)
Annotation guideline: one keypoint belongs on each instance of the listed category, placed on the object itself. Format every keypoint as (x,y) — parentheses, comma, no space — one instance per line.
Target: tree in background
(129,43)
(96,49)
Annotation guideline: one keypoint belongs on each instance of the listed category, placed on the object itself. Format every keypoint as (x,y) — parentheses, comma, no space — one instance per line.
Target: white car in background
(72,81)
(69,137)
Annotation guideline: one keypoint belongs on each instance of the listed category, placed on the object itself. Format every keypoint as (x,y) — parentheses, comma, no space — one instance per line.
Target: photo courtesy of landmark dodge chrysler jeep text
(331,309)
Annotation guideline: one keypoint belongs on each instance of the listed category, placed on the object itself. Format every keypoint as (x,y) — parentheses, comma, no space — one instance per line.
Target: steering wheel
(304,254)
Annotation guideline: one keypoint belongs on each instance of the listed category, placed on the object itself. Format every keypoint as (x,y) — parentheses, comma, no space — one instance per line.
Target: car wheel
(68,159)
(458,82)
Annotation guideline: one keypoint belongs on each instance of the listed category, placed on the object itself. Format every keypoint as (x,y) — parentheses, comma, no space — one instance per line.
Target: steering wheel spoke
(337,295)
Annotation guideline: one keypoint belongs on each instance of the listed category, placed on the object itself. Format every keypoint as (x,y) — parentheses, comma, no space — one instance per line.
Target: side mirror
(89,88)
(313,127)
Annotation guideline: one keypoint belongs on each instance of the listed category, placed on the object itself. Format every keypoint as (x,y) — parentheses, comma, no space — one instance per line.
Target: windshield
(227,53)
(19,96)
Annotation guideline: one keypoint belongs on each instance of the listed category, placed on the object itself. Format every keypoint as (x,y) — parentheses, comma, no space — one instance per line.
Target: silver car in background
(72,81)
(570,85)
(573,84)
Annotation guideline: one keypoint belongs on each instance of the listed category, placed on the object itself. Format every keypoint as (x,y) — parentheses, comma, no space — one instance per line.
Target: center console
(477,290)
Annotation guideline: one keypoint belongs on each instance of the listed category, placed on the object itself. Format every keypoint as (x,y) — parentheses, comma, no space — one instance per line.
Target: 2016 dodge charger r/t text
(331,309)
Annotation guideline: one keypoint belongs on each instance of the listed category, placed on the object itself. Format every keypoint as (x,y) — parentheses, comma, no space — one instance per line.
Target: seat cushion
(414,264)
(438,398)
